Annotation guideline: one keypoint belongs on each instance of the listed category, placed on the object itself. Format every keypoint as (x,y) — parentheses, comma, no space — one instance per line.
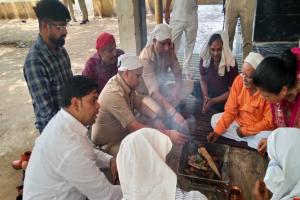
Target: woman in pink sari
(278,80)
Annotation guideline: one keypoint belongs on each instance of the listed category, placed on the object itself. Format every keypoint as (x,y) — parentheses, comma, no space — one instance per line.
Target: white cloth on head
(160,32)
(254,59)
(143,172)
(227,59)
(283,172)
(129,62)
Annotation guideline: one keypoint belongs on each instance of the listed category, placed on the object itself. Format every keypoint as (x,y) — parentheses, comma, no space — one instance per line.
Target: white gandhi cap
(129,62)
(254,59)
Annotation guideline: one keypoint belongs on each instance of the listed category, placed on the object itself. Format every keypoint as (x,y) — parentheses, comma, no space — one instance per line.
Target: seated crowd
(129,105)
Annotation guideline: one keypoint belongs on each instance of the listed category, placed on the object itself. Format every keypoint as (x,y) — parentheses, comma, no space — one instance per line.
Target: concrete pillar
(132,25)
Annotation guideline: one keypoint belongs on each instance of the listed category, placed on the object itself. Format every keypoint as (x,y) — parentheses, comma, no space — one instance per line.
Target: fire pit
(200,172)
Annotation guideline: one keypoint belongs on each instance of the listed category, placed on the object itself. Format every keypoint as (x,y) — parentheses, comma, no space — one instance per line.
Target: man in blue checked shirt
(47,66)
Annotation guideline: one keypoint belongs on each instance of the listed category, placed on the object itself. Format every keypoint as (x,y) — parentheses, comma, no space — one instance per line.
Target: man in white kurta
(184,19)
(64,165)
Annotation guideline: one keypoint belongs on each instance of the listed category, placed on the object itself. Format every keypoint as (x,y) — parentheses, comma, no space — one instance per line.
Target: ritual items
(205,163)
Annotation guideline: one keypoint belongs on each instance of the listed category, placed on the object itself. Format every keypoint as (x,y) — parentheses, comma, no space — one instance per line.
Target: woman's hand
(113,168)
(212,137)
(260,192)
(240,132)
(207,104)
(167,16)
(262,146)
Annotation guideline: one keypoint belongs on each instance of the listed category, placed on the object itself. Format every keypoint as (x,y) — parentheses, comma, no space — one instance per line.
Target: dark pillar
(143,31)
(277,20)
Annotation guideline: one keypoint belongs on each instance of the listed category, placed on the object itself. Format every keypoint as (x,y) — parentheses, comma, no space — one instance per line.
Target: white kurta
(185,19)
(65,166)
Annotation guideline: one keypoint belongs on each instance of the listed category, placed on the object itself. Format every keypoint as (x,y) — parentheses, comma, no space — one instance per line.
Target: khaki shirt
(117,103)
(155,69)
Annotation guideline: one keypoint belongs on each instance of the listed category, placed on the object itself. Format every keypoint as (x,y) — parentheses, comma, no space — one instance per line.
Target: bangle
(172,112)
(155,117)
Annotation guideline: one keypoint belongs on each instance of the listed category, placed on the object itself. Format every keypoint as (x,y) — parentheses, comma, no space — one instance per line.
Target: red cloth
(296,51)
(105,39)
(96,70)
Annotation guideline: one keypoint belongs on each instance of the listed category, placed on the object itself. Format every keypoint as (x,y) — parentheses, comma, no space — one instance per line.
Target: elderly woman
(282,176)
(218,69)
(278,81)
(247,116)
(143,172)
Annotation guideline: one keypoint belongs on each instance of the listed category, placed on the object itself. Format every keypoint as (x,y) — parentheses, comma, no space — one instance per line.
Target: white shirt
(185,11)
(64,165)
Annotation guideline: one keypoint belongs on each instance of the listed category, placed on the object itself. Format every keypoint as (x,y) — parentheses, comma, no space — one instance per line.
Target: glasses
(246,76)
(59,27)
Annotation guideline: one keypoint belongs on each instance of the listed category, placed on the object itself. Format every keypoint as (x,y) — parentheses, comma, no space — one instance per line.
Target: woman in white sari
(283,173)
(143,172)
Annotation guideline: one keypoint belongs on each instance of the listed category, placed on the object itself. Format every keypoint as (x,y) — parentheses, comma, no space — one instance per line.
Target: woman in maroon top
(218,69)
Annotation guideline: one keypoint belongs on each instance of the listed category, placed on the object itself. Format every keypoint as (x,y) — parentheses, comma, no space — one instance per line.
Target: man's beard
(60,42)
(114,60)
(111,61)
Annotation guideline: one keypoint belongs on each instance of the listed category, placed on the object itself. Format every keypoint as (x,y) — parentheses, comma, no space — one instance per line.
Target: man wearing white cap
(119,101)
(158,57)
(247,116)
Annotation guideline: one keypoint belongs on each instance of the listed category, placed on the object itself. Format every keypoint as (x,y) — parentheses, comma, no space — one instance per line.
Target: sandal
(22,163)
